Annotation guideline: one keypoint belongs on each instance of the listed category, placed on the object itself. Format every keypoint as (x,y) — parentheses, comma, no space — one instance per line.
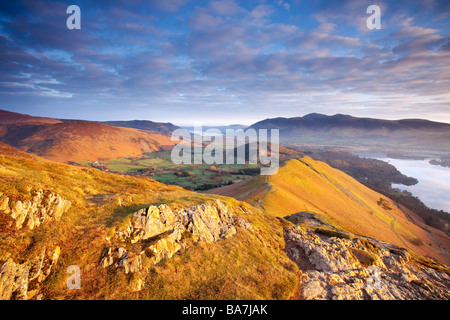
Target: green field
(159,166)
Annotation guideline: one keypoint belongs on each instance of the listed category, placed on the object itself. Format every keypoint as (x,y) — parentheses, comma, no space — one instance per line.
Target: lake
(433,187)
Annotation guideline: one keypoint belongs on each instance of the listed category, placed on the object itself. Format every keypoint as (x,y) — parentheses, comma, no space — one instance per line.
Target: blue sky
(225,61)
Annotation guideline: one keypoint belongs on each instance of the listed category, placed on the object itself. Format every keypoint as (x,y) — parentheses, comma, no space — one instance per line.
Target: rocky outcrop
(338,266)
(159,232)
(21,281)
(44,206)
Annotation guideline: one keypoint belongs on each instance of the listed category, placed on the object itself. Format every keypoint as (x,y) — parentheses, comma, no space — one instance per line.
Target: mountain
(163,128)
(342,129)
(348,241)
(316,121)
(307,232)
(76,140)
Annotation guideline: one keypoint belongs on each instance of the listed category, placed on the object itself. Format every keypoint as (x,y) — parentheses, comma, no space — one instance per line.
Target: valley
(141,227)
(159,166)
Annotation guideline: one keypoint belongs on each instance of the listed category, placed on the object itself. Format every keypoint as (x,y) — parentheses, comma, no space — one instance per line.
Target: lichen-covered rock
(44,206)
(358,268)
(21,281)
(158,232)
(323,255)
(313,289)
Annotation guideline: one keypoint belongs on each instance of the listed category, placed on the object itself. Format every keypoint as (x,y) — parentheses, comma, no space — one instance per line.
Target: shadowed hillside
(345,130)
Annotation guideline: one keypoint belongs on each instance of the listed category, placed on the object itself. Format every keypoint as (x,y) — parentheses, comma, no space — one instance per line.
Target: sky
(225,61)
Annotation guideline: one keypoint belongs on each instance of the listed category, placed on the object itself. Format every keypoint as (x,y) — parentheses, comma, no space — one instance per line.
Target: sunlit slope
(249,265)
(83,140)
(313,186)
(65,141)
(308,185)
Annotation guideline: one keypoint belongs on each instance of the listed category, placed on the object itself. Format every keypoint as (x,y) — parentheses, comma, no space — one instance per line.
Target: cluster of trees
(207,186)
(371,172)
(443,162)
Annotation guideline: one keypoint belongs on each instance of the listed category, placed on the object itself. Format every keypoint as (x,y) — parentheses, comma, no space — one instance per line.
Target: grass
(332,233)
(364,257)
(338,199)
(246,266)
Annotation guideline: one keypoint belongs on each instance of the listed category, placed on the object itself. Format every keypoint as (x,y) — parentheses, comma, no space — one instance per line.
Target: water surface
(433,188)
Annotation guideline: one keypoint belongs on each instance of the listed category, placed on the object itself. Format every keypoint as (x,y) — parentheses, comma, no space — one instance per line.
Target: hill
(76,140)
(314,187)
(345,130)
(132,238)
(7,117)
(135,238)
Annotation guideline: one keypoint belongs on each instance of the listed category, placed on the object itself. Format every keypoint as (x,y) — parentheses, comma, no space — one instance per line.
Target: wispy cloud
(169,60)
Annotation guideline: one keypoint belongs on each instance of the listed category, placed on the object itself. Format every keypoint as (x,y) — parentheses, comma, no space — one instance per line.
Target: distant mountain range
(74,140)
(220,128)
(321,122)
(343,129)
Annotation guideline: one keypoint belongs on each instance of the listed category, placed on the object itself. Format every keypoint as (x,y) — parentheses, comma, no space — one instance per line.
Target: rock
(312,290)
(21,281)
(159,231)
(325,255)
(43,207)
(347,292)
(4,203)
(338,270)
(131,263)
(335,279)
(138,284)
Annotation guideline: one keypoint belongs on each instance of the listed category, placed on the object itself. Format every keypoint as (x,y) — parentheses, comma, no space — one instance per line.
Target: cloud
(225,8)
(284,4)
(183,57)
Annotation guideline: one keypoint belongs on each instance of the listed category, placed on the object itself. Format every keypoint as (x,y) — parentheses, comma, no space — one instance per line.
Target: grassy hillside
(246,266)
(306,185)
